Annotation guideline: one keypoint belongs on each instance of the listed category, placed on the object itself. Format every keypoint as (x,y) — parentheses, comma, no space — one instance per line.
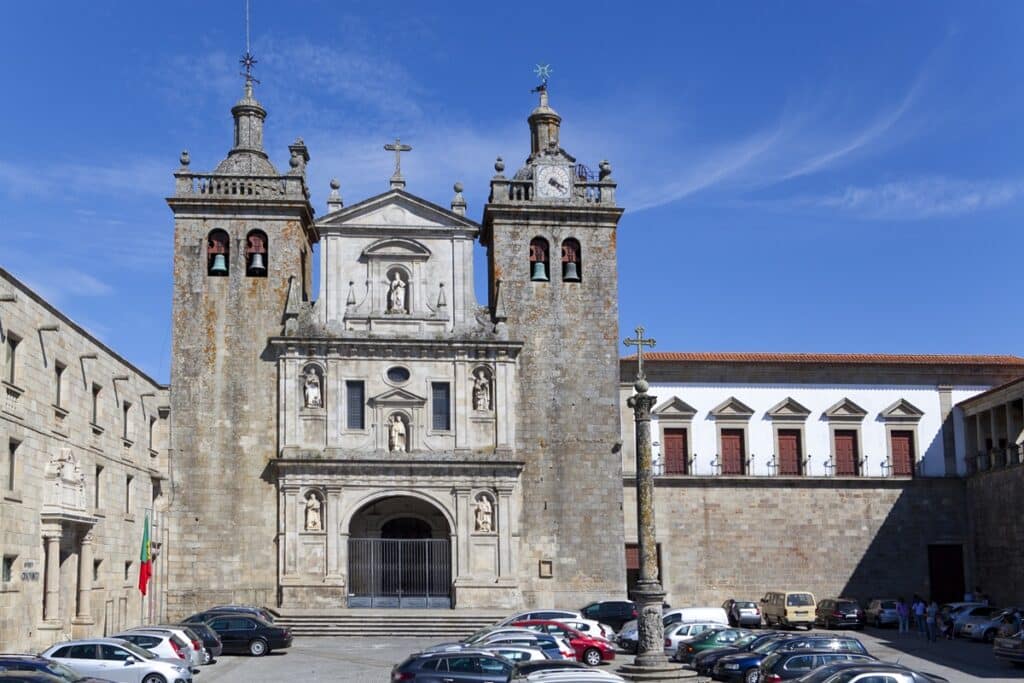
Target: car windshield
(138,651)
(745,605)
(799,600)
(846,604)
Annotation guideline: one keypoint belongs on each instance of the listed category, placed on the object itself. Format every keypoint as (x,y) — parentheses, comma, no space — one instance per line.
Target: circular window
(398,374)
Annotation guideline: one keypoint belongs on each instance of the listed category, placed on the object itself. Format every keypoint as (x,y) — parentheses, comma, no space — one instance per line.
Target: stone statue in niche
(396,294)
(481,390)
(311,389)
(397,438)
(484,514)
(314,522)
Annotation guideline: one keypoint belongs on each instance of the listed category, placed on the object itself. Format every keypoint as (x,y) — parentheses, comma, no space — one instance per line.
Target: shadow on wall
(994,504)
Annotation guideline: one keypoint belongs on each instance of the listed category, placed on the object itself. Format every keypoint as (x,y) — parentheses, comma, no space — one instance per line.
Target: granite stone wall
(994,503)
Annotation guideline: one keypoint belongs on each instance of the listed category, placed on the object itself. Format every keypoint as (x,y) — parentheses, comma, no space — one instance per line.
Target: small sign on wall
(547,569)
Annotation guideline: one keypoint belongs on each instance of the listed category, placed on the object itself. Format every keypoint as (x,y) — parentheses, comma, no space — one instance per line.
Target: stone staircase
(440,624)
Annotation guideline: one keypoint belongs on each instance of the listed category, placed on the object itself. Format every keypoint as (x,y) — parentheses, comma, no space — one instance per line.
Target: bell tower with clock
(550,238)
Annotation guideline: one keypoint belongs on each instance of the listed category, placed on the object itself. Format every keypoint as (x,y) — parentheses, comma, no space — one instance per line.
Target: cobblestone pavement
(369,660)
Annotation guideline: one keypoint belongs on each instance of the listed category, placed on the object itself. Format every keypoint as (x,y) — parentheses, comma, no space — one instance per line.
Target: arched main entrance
(399,555)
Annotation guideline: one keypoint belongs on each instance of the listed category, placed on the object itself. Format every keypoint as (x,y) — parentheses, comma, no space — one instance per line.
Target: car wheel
(154,678)
(592,656)
(752,676)
(258,648)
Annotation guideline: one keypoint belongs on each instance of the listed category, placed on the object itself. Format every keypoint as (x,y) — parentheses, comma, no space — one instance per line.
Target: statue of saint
(396,434)
(396,295)
(313,521)
(484,521)
(311,389)
(481,391)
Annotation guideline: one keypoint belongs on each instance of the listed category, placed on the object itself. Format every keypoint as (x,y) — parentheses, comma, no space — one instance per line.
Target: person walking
(919,619)
(931,619)
(903,617)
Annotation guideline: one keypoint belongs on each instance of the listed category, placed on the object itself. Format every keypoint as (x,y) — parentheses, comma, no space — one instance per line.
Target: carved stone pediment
(64,489)
(732,408)
(902,411)
(674,408)
(396,209)
(399,248)
(846,410)
(397,397)
(788,409)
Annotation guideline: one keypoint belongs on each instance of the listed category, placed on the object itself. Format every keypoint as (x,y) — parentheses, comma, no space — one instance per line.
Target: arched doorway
(399,555)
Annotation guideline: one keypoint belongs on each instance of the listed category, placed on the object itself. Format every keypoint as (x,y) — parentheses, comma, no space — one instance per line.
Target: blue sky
(797,176)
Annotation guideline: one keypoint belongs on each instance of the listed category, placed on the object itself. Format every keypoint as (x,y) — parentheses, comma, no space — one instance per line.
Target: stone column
(650,664)
(51,601)
(83,613)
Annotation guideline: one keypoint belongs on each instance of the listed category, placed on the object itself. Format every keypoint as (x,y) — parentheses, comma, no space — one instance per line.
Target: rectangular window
(126,409)
(8,573)
(152,424)
(354,405)
(128,494)
(58,384)
(901,443)
(674,449)
(11,357)
(440,398)
(97,491)
(845,445)
(128,571)
(96,571)
(732,451)
(12,464)
(789,455)
(96,390)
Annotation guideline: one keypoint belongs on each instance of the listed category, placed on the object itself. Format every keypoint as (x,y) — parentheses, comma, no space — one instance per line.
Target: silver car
(882,612)
(986,628)
(118,660)
(685,632)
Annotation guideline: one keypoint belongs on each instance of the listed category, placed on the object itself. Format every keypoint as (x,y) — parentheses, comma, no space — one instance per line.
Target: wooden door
(846,452)
(732,451)
(789,452)
(675,450)
(902,444)
(946,572)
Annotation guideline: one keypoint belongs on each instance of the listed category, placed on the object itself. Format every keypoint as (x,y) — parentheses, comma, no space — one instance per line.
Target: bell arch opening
(399,554)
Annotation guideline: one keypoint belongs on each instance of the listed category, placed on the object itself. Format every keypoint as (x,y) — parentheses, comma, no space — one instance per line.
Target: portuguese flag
(145,559)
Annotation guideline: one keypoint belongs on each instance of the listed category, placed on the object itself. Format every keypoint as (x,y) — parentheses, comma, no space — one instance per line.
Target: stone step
(440,624)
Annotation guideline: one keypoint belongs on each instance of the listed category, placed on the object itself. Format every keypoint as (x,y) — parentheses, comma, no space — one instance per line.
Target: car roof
(34,658)
(91,641)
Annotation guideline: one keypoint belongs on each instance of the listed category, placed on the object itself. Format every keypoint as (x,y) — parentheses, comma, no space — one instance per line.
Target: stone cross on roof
(397,147)
(640,342)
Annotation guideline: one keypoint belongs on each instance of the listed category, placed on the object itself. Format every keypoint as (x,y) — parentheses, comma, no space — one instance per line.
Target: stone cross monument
(650,664)
(397,181)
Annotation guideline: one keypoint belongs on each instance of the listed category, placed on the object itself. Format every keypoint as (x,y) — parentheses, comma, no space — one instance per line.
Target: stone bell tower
(243,236)
(550,236)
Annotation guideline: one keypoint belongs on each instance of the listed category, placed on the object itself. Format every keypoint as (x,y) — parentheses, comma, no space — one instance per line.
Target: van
(716,615)
(788,608)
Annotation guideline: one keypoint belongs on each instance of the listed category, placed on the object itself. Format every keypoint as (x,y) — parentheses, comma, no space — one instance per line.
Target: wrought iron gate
(385,572)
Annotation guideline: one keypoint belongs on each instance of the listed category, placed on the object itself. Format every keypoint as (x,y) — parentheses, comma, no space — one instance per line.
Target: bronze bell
(570,272)
(539,272)
(256,264)
(219,265)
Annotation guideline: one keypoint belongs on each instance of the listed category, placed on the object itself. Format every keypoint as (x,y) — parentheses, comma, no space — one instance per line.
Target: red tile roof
(830,358)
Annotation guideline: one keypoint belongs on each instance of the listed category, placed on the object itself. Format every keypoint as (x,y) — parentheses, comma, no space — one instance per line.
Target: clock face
(553,182)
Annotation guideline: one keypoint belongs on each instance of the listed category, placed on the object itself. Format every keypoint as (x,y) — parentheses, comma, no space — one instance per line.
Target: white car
(546,614)
(517,653)
(196,652)
(163,645)
(590,627)
(685,632)
(118,660)
(574,676)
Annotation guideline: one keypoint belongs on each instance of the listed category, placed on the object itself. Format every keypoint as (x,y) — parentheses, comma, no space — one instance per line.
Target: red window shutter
(846,452)
(789,452)
(732,451)
(674,449)
(632,556)
(902,443)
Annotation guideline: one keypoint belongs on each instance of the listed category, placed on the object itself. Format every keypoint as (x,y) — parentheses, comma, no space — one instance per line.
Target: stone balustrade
(239,186)
(505,191)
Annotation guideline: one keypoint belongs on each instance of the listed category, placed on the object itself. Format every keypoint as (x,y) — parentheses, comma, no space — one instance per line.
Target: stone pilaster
(83,612)
(51,600)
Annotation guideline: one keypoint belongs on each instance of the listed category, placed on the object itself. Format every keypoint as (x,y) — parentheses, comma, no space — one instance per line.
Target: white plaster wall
(703,434)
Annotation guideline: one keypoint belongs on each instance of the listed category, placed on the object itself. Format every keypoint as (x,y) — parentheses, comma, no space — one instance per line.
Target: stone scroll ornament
(484,514)
(314,521)
(311,389)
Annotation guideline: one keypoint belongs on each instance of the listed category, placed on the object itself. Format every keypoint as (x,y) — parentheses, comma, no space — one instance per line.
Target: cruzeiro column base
(651,664)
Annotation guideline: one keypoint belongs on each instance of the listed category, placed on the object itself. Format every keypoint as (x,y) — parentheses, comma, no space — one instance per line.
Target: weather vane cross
(543,72)
(639,343)
(248,60)
(397,147)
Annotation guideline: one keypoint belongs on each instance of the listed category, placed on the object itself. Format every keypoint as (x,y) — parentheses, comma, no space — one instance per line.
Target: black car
(241,633)
(36,664)
(615,613)
(211,641)
(841,672)
(466,666)
(240,610)
(704,662)
(784,666)
(839,613)
(744,666)
(823,642)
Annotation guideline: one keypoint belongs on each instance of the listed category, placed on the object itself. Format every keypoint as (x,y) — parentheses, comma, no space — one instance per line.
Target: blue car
(704,662)
(465,666)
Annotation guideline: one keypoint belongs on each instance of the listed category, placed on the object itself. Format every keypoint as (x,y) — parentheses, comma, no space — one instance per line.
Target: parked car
(716,614)
(987,628)
(786,665)
(540,614)
(518,653)
(27,677)
(742,613)
(44,665)
(574,676)
(839,613)
(523,669)
(465,666)
(628,634)
(825,642)
(707,641)
(685,632)
(971,613)
(788,608)
(1010,648)
(745,665)
(190,642)
(103,657)
(590,627)
(882,612)
(553,646)
(615,613)
(211,641)
(208,614)
(704,662)
(858,672)
(250,634)
(165,645)
(588,649)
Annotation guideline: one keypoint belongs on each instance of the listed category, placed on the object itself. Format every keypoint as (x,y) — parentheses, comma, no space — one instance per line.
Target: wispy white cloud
(128,176)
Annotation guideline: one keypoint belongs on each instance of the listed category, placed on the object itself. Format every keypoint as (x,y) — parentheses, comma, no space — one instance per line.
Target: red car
(589,650)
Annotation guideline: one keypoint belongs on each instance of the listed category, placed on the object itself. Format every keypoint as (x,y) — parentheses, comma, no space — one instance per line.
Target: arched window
(256,254)
(218,253)
(539,260)
(572,270)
